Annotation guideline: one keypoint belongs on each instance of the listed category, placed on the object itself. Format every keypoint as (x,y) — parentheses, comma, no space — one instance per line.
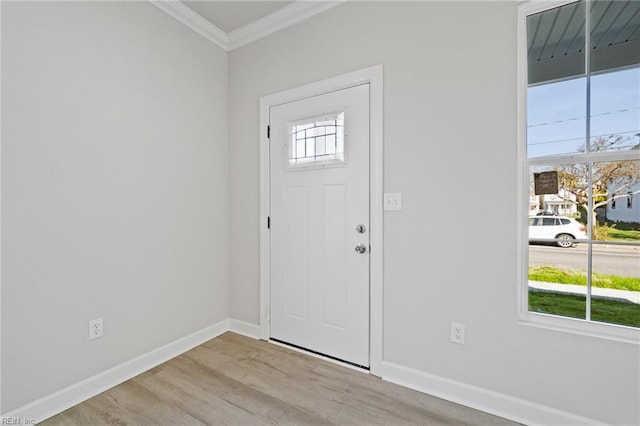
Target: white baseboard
(471,396)
(244,328)
(63,399)
(495,403)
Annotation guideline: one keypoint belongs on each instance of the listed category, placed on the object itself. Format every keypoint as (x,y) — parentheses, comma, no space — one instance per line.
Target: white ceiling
(231,15)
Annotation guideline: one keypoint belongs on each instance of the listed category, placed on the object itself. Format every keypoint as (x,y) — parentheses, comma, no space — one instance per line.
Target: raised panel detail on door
(334,272)
(297,301)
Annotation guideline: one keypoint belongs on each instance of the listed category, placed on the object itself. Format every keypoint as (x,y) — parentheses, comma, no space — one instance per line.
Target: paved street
(615,260)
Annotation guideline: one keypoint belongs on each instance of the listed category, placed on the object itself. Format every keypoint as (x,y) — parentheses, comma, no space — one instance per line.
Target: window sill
(598,330)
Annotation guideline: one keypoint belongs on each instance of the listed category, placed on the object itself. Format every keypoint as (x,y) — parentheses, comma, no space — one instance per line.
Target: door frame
(374,77)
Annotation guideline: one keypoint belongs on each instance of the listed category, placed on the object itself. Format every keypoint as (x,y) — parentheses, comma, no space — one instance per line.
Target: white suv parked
(559,229)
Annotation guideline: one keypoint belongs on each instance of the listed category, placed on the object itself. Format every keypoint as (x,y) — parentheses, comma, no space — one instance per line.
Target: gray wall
(117,173)
(450,148)
(114,188)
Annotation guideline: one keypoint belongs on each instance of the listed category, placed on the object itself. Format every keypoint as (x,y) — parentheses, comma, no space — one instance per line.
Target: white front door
(319,213)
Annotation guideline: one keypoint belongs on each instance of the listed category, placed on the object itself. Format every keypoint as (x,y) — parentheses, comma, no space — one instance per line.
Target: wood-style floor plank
(235,380)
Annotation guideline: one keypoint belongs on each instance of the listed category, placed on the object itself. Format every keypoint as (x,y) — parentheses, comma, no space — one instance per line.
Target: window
(317,142)
(580,130)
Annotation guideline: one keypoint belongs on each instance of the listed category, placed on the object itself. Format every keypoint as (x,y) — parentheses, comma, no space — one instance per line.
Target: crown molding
(289,15)
(191,19)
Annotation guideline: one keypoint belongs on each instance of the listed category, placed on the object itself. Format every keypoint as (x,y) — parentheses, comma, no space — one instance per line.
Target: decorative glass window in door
(317,142)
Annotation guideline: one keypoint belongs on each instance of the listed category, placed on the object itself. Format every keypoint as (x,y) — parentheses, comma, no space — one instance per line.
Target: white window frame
(526,317)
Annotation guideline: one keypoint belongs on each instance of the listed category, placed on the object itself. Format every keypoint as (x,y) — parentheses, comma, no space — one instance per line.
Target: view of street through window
(583,130)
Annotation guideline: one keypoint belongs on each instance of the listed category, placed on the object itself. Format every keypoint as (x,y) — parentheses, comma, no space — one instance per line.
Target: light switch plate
(393,201)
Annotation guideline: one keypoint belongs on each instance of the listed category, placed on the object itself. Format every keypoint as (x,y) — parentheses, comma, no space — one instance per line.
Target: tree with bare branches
(610,180)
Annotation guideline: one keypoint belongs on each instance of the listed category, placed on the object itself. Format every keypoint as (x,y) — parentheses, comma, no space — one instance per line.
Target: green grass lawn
(551,274)
(621,231)
(616,234)
(612,311)
(569,305)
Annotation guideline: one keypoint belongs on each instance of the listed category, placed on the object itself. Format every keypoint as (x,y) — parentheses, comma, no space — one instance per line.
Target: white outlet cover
(96,328)
(392,201)
(457,333)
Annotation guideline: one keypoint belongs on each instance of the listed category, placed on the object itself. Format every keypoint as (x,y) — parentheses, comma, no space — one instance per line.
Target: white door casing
(374,77)
(319,181)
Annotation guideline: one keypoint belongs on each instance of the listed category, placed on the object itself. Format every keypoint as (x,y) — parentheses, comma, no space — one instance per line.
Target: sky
(557,111)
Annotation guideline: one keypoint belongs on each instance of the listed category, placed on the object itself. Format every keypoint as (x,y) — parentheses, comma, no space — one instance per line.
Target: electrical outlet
(96,328)
(457,333)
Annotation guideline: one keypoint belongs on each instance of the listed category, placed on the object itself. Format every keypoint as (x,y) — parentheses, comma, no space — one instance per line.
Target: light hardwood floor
(235,380)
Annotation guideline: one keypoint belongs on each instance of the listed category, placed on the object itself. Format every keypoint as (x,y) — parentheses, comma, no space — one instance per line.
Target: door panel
(319,186)
(334,272)
(297,246)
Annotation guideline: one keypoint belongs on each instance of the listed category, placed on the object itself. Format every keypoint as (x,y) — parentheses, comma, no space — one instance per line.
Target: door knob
(361,248)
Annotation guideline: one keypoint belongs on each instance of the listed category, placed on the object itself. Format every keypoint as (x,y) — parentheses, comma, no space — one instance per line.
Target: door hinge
(268,222)
(268,132)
